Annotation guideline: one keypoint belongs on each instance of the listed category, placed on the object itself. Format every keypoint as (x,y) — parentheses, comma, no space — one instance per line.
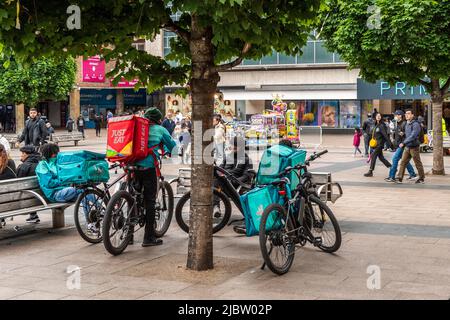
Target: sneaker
(399,181)
(92,228)
(389,179)
(33,219)
(412,178)
(420,181)
(152,242)
(368,174)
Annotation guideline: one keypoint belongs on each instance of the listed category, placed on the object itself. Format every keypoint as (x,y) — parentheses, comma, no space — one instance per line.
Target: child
(357,140)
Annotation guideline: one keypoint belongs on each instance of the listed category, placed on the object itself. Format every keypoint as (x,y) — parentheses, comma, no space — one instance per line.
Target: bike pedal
(317,241)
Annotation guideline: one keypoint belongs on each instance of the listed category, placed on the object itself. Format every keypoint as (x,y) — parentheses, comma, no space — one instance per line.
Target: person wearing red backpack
(147,176)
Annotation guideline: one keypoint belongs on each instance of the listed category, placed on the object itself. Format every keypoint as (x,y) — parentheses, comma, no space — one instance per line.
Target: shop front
(96,101)
(134,101)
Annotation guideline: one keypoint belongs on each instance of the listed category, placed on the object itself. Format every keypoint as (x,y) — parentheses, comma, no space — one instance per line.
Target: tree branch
(237,61)
(446,87)
(172,26)
(427,85)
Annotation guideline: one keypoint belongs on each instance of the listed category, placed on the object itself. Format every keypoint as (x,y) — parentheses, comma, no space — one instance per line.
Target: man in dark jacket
(412,146)
(30,159)
(399,137)
(35,131)
(168,123)
(367,131)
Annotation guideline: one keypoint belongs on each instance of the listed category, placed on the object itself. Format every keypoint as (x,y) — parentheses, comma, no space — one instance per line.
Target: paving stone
(8,292)
(39,295)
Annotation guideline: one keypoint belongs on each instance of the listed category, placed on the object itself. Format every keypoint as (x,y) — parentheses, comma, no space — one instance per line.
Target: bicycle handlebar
(313,157)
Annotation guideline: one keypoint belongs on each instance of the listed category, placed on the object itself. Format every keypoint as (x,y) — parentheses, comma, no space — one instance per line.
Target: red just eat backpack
(127,139)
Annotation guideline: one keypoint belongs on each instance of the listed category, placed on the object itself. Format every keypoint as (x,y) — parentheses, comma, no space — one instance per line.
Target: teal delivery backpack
(81,167)
(275,160)
(253,204)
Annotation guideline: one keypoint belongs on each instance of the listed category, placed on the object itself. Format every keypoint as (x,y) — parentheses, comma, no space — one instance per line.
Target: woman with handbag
(379,138)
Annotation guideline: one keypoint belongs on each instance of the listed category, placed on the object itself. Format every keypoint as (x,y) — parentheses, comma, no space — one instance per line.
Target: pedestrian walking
(35,132)
(378,139)
(70,125)
(168,123)
(98,124)
(109,115)
(367,130)
(357,141)
(219,139)
(185,144)
(412,147)
(399,137)
(80,125)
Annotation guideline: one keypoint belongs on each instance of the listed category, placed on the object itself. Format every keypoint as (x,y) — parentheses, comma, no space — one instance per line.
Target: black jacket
(169,125)
(380,133)
(399,133)
(368,126)
(9,172)
(27,169)
(34,133)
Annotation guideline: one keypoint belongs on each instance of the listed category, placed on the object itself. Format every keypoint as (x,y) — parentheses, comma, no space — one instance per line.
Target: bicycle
(93,202)
(297,220)
(224,191)
(126,210)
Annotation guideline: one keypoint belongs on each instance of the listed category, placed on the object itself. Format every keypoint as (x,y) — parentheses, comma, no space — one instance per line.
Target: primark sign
(382,90)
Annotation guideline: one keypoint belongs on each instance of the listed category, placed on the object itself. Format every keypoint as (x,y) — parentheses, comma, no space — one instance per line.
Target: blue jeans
(68,194)
(395,160)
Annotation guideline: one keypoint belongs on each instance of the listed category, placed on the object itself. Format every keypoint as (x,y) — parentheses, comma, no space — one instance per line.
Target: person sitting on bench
(48,177)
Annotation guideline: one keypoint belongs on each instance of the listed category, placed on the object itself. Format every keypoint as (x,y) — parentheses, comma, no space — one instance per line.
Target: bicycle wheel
(163,209)
(89,211)
(221,214)
(116,223)
(277,239)
(322,223)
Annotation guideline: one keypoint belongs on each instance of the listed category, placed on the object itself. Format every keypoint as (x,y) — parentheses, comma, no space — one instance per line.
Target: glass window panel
(322,54)
(308,53)
(248,62)
(272,59)
(285,59)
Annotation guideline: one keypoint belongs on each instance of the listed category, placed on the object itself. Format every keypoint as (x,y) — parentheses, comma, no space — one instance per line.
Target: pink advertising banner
(125,83)
(94,70)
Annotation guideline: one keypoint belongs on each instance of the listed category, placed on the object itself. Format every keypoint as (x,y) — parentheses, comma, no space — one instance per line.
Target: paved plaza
(400,233)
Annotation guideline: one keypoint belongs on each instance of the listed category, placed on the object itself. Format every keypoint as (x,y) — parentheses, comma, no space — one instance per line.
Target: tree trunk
(203,87)
(438,150)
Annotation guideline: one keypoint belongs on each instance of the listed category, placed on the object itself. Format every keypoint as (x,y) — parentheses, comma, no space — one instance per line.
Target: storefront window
(322,54)
(285,59)
(328,113)
(349,114)
(272,59)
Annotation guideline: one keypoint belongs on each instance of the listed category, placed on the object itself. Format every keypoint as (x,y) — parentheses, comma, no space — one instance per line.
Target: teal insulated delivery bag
(253,204)
(80,167)
(275,160)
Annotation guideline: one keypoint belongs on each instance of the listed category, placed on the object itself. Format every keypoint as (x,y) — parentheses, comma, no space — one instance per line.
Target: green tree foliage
(44,79)
(395,40)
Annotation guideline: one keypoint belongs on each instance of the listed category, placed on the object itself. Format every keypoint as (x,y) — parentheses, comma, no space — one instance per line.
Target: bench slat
(18,196)
(28,183)
(16,205)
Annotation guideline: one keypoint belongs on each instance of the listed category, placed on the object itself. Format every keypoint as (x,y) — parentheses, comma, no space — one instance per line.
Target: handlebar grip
(322,153)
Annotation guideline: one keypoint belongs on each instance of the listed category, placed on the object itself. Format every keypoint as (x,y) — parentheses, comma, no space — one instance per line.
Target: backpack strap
(152,152)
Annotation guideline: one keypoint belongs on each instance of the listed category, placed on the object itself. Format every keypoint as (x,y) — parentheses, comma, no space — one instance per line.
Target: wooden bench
(23,196)
(326,187)
(64,137)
